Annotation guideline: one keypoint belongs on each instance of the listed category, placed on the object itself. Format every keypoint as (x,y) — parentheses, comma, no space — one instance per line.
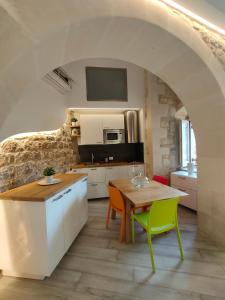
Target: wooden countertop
(185,174)
(34,192)
(103,164)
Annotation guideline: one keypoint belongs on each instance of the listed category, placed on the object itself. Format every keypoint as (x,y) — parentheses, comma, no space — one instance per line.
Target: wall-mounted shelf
(75,131)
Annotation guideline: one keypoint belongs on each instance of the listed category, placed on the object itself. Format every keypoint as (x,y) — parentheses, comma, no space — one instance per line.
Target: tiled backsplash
(120,152)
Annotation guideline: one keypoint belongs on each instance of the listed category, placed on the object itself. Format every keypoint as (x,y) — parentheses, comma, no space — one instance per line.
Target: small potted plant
(48,173)
(74,121)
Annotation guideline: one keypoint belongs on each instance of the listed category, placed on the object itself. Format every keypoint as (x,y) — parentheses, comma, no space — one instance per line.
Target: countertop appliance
(132,126)
(114,136)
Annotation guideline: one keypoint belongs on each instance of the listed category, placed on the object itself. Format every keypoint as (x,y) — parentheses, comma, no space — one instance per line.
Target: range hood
(131,126)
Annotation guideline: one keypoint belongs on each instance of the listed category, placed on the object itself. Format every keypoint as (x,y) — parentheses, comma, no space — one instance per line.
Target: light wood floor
(98,267)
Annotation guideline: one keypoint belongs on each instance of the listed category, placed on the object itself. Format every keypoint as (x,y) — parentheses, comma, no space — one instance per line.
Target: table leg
(127,221)
(113,214)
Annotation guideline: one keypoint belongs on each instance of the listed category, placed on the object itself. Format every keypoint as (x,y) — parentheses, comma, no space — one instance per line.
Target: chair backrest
(115,198)
(163,213)
(160,179)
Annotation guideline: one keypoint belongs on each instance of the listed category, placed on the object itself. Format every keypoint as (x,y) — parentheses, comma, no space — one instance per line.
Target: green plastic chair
(161,217)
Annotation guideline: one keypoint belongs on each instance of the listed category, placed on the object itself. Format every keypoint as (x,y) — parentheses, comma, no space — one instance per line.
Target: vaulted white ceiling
(219,4)
(39,35)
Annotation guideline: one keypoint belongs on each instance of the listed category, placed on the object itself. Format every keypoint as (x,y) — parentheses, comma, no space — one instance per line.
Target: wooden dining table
(143,196)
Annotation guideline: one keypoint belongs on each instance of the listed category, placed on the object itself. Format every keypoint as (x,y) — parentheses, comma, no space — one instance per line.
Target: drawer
(189,201)
(115,172)
(97,190)
(94,174)
(184,181)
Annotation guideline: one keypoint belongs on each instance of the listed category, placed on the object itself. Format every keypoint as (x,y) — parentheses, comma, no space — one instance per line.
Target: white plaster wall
(40,108)
(78,96)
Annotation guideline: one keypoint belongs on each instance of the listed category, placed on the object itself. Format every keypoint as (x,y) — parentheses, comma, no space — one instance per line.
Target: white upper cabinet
(91,129)
(113,121)
(92,125)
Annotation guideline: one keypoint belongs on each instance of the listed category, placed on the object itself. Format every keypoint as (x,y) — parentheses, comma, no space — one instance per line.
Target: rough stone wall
(162,129)
(23,158)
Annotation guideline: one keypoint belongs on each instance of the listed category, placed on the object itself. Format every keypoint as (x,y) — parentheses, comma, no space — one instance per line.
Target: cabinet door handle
(94,184)
(92,169)
(57,198)
(68,191)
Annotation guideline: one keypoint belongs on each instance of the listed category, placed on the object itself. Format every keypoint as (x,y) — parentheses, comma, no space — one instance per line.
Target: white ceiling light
(192,15)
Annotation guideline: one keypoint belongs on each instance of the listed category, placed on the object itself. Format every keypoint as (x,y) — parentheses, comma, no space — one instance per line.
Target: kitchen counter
(36,234)
(103,164)
(181,180)
(34,192)
(185,174)
(99,175)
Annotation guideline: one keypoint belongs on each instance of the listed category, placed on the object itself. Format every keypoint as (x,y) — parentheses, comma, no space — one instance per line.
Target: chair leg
(122,227)
(180,243)
(108,216)
(151,252)
(132,228)
(144,208)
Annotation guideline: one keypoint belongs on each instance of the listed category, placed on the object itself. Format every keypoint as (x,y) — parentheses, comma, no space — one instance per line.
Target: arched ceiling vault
(37,36)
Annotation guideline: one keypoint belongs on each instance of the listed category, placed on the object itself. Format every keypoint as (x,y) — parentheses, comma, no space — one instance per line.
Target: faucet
(92,158)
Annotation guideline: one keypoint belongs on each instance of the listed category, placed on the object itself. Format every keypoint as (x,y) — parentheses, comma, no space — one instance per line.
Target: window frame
(190,159)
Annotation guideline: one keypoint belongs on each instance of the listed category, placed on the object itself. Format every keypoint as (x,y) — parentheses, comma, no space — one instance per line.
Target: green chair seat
(142,219)
(161,217)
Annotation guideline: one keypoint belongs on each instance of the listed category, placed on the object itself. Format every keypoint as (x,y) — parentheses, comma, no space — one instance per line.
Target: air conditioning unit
(59,80)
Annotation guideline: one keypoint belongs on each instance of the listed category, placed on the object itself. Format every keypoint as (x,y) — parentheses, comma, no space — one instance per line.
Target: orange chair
(116,203)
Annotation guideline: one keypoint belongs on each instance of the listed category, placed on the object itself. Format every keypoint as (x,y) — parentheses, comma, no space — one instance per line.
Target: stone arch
(150,36)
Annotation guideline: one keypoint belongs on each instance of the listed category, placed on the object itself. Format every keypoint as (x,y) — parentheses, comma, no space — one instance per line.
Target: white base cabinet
(112,173)
(188,184)
(99,177)
(36,235)
(97,190)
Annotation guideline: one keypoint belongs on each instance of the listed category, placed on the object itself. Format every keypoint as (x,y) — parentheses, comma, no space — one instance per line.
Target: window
(188,145)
